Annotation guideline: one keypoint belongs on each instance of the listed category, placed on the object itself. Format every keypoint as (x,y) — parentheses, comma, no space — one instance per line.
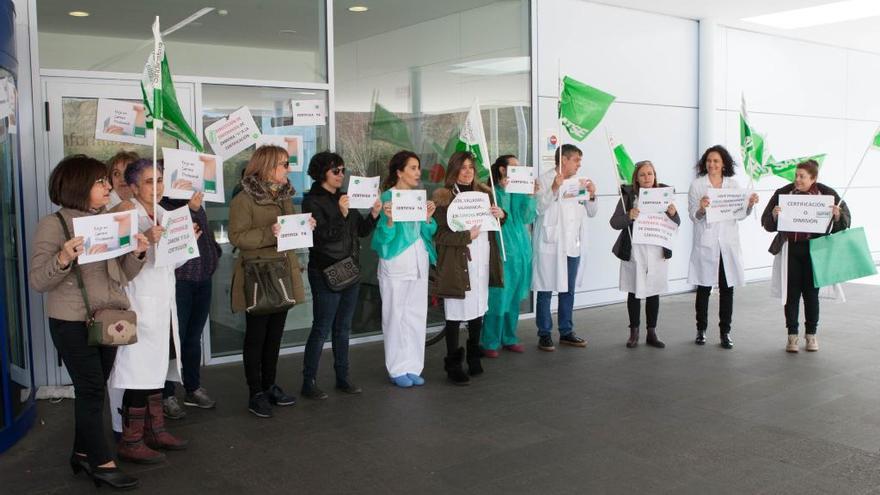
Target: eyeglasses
(104,181)
(338,170)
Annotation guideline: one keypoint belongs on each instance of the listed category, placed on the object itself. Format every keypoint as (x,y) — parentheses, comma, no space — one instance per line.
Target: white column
(708,100)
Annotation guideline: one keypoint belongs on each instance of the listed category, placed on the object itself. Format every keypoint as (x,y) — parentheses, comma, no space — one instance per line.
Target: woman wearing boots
(406,250)
(643,267)
(80,186)
(503,315)
(468,262)
(142,368)
(716,257)
(792,251)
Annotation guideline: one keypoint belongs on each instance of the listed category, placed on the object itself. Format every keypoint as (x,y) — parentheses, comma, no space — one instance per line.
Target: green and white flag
(582,107)
(625,164)
(876,141)
(787,168)
(389,128)
(473,139)
(162,110)
(752,147)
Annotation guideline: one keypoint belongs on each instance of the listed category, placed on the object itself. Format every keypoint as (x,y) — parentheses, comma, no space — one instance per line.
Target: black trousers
(262,342)
(475,327)
(89,368)
(725,304)
(634,308)
(800,284)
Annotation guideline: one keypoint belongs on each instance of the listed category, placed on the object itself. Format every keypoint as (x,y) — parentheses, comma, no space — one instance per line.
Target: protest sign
(295,233)
(362,191)
(106,236)
(409,205)
(470,209)
(233,134)
(308,112)
(187,172)
(293,145)
(655,229)
(123,122)
(655,199)
(571,190)
(808,213)
(520,180)
(178,243)
(727,204)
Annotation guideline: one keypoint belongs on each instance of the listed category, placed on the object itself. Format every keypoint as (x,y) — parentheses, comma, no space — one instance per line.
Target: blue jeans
(566,305)
(332,311)
(193,305)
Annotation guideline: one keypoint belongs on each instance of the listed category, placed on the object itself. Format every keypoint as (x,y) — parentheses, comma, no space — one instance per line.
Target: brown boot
(633,337)
(652,339)
(155,434)
(131,446)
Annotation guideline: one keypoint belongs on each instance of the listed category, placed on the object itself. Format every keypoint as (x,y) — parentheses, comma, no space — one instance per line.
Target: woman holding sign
(406,250)
(79,185)
(468,262)
(503,315)
(142,368)
(643,267)
(253,228)
(791,249)
(716,257)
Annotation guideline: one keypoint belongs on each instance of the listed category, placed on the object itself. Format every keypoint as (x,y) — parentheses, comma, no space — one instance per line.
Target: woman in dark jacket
(643,267)
(336,249)
(792,249)
(468,263)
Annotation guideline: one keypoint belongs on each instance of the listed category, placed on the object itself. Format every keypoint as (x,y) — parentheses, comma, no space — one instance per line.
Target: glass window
(272,40)
(273,113)
(445,56)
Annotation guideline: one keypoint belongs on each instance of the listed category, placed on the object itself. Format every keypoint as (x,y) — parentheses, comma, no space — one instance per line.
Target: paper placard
(470,209)
(308,112)
(804,213)
(295,233)
(123,122)
(571,190)
(656,229)
(106,236)
(293,145)
(7,97)
(409,205)
(189,171)
(362,191)
(178,243)
(727,204)
(520,180)
(655,199)
(233,134)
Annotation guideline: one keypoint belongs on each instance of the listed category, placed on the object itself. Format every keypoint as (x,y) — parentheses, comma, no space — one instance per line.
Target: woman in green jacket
(503,314)
(406,249)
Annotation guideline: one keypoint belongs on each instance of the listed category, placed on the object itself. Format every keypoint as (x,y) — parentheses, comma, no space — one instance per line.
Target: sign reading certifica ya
(293,145)
(471,209)
(808,213)
(520,180)
(123,122)
(233,134)
(295,233)
(187,172)
(106,236)
(655,199)
(410,205)
(727,204)
(362,192)
(307,113)
(178,243)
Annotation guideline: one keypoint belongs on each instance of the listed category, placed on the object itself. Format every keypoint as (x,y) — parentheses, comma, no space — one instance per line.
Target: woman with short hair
(116,171)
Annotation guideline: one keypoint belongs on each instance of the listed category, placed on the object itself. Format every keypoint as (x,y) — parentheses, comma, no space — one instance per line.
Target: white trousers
(404,322)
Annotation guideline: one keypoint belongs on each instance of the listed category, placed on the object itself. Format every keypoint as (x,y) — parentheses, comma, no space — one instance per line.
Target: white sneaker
(792,344)
(812,343)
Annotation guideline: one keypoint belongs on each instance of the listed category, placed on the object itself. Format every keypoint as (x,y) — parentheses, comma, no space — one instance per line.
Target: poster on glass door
(233,134)
(187,172)
(122,122)
(293,145)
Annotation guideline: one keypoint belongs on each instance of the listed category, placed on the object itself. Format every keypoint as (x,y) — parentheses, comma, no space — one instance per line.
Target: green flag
(389,128)
(473,139)
(445,152)
(751,146)
(625,165)
(787,168)
(876,141)
(581,107)
(162,110)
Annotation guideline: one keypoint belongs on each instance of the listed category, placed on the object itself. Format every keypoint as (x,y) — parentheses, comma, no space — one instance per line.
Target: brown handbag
(109,327)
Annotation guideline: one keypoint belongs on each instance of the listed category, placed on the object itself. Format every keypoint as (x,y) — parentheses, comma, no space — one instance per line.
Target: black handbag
(268,285)
(342,274)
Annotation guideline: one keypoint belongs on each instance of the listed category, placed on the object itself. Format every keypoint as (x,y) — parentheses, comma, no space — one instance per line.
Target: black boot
(726,341)
(454,372)
(652,339)
(473,359)
(633,337)
(701,337)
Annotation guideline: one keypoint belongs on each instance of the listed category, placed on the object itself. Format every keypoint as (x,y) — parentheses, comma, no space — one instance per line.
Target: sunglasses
(338,170)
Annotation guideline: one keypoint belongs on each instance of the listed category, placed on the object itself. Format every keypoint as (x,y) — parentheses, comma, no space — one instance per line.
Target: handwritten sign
(655,199)
(123,122)
(106,236)
(231,135)
(362,191)
(471,209)
(296,232)
(520,180)
(187,172)
(804,213)
(308,112)
(656,229)
(178,243)
(727,204)
(410,205)
(293,145)
(571,190)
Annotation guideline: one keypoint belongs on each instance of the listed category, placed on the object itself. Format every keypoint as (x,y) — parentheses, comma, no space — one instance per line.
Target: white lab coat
(550,267)
(713,241)
(646,273)
(403,284)
(779,281)
(476,301)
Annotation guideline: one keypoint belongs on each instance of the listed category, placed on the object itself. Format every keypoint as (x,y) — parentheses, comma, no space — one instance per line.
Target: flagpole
(156,135)
(617,176)
(483,149)
(852,178)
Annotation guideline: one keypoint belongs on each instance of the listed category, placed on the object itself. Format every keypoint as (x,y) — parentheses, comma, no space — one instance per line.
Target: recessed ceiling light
(828,13)
(222,12)
(287,31)
(78,13)
(358,8)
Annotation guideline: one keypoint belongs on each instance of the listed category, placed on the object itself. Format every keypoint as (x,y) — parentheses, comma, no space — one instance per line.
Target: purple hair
(135,169)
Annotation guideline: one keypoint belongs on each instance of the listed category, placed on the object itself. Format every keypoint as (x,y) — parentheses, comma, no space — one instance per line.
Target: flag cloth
(841,257)
(876,141)
(787,168)
(581,107)
(752,147)
(625,165)
(473,139)
(162,110)
(390,128)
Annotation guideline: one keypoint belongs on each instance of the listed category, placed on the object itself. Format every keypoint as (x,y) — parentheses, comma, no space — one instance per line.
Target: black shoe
(277,397)
(545,343)
(726,341)
(80,463)
(348,388)
(310,390)
(652,339)
(572,340)
(259,405)
(454,372)
(701,337)
(633,338)
(475,367)
(114,478)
